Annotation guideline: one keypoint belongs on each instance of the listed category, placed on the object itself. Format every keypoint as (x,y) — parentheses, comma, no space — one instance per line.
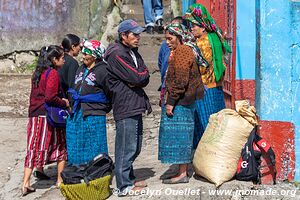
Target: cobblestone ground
(14,92)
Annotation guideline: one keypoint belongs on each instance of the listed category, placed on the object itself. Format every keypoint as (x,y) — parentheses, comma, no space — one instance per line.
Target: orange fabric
(207,74)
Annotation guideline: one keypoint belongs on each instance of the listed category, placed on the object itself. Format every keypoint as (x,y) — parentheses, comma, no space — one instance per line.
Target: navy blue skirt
(212,102)
(86,137)
(176,135)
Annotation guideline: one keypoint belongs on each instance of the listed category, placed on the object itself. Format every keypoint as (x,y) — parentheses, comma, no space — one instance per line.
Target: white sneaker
(126,191)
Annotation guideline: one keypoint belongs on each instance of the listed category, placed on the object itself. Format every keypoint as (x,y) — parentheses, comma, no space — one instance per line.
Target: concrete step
(149,49)
(149,44)
(149,54)
(138,9)
(155,82)
(148,39)
(139,17)
(134,10)
(152,66)
(139,2)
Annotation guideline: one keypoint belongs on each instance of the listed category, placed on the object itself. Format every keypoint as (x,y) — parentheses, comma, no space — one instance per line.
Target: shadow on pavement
(144,173)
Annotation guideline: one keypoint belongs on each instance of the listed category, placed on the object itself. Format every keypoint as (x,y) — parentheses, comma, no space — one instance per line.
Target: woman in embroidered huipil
(213,46)
(86,127)
(182,89)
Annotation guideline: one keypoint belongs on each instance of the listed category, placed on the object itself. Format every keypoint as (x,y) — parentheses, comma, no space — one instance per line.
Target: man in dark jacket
(128,75)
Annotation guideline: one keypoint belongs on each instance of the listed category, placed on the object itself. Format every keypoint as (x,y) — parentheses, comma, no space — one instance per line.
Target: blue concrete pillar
(295,48)
(275,64)
(278,64)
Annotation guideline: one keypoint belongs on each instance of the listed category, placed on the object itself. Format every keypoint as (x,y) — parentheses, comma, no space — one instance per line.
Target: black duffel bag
(100,166)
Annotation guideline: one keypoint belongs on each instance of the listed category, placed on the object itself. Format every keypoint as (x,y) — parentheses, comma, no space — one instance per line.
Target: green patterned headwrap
(199,15)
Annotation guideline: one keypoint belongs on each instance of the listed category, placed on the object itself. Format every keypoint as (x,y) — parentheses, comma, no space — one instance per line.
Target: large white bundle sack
(219,149)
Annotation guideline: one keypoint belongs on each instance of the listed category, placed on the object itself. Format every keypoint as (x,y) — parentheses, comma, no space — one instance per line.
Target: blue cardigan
(163,57)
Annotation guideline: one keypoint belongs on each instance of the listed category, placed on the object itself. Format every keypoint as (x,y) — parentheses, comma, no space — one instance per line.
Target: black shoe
(150,29)
(40,175)
(160,24)
(27,190)
(182,180)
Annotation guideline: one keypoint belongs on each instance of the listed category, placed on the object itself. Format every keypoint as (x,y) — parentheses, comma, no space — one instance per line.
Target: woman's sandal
(27,190)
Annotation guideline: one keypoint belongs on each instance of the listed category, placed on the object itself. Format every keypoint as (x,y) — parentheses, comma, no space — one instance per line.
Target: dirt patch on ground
(14,95)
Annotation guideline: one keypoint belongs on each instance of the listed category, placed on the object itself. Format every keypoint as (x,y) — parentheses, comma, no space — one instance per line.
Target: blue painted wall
(278,77)
(274,81)
(295,48)
(245,40)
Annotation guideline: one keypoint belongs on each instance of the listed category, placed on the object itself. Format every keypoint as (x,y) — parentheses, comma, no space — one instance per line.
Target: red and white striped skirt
(45,144)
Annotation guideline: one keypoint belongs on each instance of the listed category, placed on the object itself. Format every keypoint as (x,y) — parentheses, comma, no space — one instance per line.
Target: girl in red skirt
(45,144)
